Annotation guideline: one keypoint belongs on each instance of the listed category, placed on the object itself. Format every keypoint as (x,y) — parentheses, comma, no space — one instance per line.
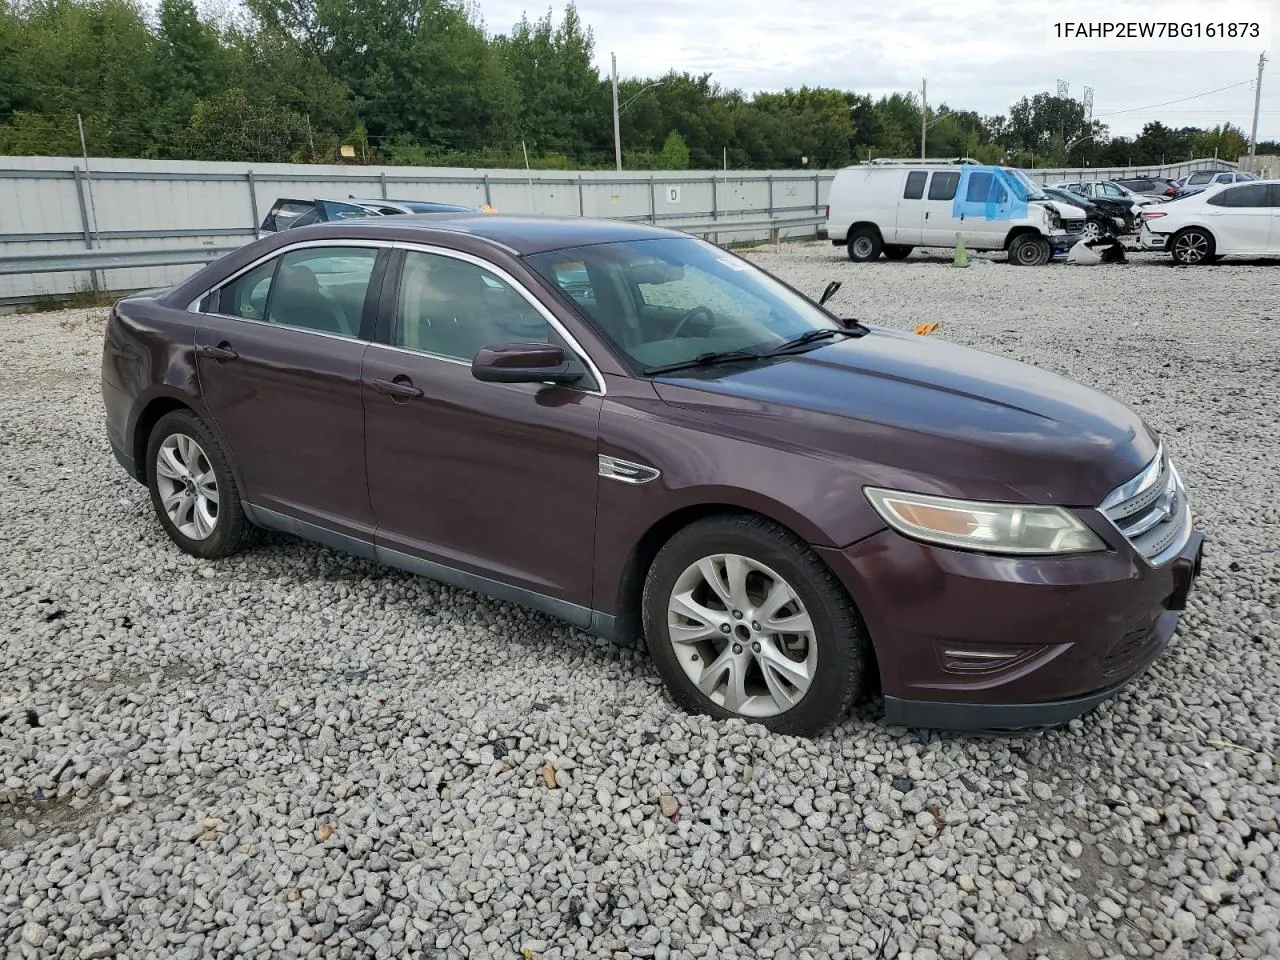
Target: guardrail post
(653,202)
(581,209)
(84,222)
(817,193)
(253,202)
(715,206)
(487,201)
(382,180)
(771,212)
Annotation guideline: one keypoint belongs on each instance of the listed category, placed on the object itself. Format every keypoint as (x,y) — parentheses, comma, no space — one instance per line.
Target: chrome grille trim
(1151,511)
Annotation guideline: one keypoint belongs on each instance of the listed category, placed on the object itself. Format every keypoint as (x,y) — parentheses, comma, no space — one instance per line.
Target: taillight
(826,212)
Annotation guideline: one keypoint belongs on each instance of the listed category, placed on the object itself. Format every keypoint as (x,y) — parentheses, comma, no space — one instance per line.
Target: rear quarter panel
(148,356)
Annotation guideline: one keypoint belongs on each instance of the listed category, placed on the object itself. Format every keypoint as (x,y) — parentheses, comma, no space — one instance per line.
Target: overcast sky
(978,55)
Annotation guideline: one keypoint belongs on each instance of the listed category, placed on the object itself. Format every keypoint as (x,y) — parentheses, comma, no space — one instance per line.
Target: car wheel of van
(192,489)
(894,251)
(1192,246)
(743,620)
(1028,250)
(865,244)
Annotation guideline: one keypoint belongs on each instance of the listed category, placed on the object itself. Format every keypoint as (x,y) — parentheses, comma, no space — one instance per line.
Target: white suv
(1224,220)
(891,207)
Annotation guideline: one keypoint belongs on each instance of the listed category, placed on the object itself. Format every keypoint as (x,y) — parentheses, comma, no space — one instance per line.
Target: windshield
(1025,188)
(670,300)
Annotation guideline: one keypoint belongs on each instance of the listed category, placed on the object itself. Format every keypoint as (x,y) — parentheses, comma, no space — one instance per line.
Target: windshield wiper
(704,360)
(813,336)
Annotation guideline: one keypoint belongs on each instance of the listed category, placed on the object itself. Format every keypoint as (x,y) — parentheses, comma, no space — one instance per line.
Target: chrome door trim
(194,305)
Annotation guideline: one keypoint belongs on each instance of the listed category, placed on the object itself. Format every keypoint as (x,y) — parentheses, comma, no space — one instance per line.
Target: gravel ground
(293,752)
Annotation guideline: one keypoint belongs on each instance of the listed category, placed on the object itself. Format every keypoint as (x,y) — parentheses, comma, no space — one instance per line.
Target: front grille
(1152,511)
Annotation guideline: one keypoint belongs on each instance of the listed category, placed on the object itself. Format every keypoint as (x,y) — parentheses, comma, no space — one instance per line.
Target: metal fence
(143,210)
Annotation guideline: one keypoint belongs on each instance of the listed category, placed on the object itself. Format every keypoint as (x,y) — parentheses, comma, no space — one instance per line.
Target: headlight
(987,527)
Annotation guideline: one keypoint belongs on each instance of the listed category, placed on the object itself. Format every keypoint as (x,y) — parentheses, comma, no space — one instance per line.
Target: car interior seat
(297,301)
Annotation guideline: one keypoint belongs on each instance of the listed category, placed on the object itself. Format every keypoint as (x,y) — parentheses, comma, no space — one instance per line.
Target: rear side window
(943,186)
(1247,195)
(246,296)
(915,185)
(1201,177)
(315,288)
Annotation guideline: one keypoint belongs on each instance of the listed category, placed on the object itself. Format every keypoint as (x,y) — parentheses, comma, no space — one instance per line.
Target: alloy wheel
(742,635)
(1090,230)
(1191,247)
(188,486)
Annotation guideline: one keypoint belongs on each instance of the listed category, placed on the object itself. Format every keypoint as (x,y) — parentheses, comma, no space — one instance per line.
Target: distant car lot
(310,753)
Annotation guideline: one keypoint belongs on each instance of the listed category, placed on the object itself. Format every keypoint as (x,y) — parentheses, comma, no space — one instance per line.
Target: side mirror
(524,363)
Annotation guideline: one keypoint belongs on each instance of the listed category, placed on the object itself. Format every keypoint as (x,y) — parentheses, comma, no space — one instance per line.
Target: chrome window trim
(194,305)
(524,292)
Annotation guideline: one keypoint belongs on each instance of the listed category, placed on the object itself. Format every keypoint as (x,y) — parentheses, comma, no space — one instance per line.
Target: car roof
(522,235)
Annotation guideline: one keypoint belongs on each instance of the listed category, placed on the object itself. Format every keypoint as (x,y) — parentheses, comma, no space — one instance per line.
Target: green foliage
(675,153)
(425,82)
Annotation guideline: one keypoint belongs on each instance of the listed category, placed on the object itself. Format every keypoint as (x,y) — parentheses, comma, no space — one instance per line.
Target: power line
(1194,96)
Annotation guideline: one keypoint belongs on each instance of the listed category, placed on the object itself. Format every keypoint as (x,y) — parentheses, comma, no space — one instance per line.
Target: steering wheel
(689,315)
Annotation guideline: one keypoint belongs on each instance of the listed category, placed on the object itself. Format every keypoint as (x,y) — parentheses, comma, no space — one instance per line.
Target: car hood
(928,415)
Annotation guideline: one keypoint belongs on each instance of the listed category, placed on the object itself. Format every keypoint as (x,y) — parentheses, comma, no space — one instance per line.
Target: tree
(675,153)
(235,126)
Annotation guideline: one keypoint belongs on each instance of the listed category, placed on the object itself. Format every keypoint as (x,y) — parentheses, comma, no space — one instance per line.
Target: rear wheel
(743,620)
(192,489)
(896,251)
(1029,250)
(865,244)
(1192,247)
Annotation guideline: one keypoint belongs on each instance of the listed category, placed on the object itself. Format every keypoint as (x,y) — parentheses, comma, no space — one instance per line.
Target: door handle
(399,389)
(222,352)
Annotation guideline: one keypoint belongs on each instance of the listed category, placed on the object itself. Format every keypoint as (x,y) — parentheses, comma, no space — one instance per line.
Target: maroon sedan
(647,436)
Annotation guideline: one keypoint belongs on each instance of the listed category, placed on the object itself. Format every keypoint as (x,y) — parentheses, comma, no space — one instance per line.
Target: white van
(891,207)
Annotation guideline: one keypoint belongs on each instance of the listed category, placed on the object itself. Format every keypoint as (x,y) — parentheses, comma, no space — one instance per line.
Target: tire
(1029,250)
(1192,247)
(818,688)
(896,251)
(1092,230)
(865,244)
(194,478)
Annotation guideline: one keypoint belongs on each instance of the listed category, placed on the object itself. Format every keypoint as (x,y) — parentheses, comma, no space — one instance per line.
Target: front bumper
(1060,243)
(967,641)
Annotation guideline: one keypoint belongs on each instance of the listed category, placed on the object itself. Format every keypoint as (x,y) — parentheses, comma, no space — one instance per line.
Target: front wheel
(1091,230)
(1192,247)
(192,489)
(743,620)
(1030,251)
(865,244)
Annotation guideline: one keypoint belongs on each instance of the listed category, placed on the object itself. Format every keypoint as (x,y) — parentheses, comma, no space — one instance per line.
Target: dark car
(649,437)
(289,214)
(1150,186)
(1102,218)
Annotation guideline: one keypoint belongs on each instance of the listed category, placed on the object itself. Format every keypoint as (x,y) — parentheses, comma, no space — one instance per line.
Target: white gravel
(298,753)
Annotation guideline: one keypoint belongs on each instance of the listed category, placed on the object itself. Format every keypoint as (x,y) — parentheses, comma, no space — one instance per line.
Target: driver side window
(451,308)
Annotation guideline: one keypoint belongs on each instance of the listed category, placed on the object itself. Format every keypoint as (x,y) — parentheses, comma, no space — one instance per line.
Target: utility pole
(1257,103)
(924,116)
(617,134)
